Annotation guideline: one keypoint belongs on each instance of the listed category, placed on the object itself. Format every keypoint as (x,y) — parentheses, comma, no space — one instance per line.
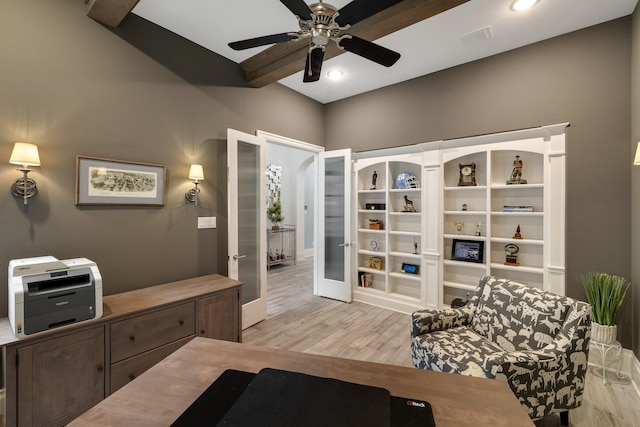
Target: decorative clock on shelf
(374,245)
(467,175)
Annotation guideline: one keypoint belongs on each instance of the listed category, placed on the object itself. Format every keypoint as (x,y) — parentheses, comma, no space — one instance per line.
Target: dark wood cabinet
(60,378)
(53,377)
(219,316)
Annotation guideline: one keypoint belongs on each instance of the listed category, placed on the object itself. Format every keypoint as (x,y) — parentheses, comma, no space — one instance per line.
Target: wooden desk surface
(162,393)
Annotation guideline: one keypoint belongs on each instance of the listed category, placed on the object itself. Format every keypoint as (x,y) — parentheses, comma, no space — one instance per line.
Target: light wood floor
(299,321)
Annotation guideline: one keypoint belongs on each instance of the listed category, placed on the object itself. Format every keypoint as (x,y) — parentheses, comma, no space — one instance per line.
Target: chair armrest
(425,321)
(522,362)
(574,335)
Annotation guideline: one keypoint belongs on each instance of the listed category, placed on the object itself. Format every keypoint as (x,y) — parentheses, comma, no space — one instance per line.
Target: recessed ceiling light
(335,74)
(520,5)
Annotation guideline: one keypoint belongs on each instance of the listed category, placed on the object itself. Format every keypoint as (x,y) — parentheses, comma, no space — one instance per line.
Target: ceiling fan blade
(358,10)
(313,66)
(261,41)
(298,8)
(369,50)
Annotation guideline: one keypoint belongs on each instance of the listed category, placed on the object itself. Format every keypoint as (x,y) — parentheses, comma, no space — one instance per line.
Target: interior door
(334,253)
(247,248)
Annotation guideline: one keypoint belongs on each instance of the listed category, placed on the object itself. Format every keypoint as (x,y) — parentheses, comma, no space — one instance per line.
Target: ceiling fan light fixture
(326,24)
(520,5)
(320,37)
(335,74)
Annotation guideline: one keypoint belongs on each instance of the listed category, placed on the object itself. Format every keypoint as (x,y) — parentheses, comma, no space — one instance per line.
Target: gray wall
(635,178)
(582,78)
(74,88)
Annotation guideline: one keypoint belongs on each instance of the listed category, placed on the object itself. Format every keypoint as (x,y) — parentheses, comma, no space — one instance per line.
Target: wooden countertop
(166,390)
(125,303)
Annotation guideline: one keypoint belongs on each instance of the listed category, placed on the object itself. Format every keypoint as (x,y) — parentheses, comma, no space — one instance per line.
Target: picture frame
(467,250)
(118,182)
(375,263)
(410,268)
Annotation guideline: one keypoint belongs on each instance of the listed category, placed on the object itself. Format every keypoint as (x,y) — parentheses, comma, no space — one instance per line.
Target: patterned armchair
(534,340)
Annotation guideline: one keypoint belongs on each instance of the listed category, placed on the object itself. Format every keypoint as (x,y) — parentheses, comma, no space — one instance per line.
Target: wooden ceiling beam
(110,12)
(285,59)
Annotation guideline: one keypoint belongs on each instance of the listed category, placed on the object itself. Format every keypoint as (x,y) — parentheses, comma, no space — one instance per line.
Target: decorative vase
(604,334)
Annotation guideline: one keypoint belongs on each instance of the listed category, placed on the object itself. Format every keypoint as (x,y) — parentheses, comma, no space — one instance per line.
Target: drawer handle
(100,369)
(181,322)
(202,331)
(132,338)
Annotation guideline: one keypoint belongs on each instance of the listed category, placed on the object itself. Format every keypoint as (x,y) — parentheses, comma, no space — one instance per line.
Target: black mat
(283,398)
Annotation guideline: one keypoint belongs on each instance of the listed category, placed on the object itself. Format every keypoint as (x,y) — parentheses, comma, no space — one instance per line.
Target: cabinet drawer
(139,334)
(127,370)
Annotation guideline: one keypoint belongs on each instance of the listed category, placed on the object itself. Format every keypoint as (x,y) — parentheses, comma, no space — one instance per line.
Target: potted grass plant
(605,293)
(274,213)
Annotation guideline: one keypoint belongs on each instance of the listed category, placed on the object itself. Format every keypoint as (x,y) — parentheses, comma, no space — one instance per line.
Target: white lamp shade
(196,172)
(25,154)
(636,161)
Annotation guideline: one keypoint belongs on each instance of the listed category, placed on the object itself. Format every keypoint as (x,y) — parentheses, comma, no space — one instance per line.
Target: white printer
(46,293)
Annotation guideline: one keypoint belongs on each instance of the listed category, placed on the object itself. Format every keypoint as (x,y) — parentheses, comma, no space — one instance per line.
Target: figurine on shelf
(459,225)
(408,205)
(517,235)
(464,207)
(478,233)
(374,180)
(516,174)
(415,246)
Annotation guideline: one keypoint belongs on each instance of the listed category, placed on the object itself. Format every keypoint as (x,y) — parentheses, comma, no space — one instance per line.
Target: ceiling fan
(320,23)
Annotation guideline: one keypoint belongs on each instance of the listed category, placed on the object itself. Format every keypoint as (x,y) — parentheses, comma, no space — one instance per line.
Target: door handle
(342,245)
(237,257)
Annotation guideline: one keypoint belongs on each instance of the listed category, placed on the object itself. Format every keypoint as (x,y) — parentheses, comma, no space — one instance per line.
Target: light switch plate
(206,222)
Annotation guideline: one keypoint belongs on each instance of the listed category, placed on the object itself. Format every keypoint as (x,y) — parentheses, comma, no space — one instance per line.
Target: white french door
(334,256)
(247,247)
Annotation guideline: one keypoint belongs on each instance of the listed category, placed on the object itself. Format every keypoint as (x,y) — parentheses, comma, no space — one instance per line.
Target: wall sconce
(636,161)
(195,173)
(26,155)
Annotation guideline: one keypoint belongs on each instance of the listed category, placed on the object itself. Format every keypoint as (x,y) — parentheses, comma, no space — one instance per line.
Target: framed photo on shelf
(467,250)
(410,268)
(117,182)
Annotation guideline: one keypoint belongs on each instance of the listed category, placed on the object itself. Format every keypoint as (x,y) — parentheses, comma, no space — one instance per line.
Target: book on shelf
(366,279)
(509,208)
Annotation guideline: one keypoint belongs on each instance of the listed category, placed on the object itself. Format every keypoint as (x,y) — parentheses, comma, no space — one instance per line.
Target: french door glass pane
(334,203)
(248,220)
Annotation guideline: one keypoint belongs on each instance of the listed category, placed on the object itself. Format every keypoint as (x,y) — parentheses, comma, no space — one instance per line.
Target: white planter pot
(604,333)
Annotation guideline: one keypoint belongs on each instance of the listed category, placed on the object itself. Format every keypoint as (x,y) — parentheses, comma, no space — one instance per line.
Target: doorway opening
(291,168)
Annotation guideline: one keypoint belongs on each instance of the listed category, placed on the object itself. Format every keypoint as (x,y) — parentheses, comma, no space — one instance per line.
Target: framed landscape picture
(467,250)
(117,182)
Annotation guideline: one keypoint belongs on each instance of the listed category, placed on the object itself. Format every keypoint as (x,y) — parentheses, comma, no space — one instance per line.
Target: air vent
(477,35)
